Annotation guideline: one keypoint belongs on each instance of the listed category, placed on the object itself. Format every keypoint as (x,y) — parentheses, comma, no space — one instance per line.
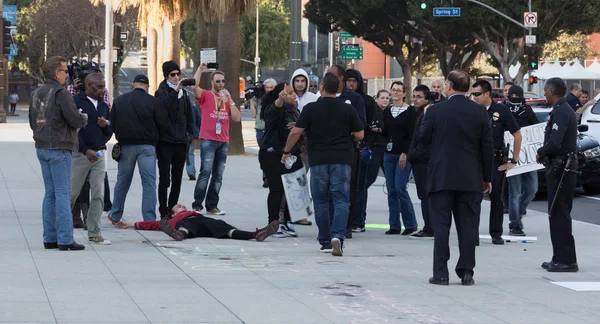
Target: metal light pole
(295,35)
(330,49)
(256,54)
(108,37)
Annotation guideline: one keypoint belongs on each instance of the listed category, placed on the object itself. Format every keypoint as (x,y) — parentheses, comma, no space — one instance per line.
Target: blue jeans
(522,189)
(213,158)
(398,199)
(56,207)
(190,163)
(331,179)
(259,135)
(145,156)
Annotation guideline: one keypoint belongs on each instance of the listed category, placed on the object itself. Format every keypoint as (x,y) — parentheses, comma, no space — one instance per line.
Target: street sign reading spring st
(446,12)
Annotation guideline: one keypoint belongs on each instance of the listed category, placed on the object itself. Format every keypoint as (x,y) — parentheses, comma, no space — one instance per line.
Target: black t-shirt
(329,123)
(501,120)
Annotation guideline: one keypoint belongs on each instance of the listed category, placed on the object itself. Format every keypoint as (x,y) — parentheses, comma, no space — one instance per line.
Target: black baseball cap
(92,66)
(141,79)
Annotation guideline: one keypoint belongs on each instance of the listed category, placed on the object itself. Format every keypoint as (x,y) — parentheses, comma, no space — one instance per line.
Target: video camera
(432,96)
(79,70)
(255,91)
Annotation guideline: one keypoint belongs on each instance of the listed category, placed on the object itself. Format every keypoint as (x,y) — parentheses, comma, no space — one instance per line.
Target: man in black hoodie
(372,156)
(171,150)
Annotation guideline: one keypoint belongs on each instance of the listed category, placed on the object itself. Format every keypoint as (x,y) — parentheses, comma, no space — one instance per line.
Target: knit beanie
(168,67)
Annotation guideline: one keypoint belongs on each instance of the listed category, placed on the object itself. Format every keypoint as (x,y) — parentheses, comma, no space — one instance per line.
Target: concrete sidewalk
(144,277)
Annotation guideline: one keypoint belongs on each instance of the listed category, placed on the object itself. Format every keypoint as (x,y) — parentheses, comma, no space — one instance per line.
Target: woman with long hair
(280,114)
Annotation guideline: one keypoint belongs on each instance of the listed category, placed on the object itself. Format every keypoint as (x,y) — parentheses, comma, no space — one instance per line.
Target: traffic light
(423,4)
(120,55)
(6,38)
(259,74)
(532,58)
(533,79)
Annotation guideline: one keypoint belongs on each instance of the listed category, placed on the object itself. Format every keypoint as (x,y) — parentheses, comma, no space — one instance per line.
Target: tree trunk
(160,57)
(407,75)
(202,28)
(151,58)
(168,41)
(176,39)
(228,57)
(213,35)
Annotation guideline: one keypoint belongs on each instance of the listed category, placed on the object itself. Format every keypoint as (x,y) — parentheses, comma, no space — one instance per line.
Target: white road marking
(590,197)
(124,73)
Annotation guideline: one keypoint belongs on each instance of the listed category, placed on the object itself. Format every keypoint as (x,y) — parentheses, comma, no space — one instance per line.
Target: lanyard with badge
(218,103)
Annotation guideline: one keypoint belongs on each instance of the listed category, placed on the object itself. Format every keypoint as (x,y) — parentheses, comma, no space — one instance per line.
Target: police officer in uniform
(558,154)
(501,120)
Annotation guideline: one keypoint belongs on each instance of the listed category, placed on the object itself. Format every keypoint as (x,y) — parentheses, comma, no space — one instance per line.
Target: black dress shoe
(393,232)
(73,246)
(439,281)
(560,267)
(49,246)
(546,265)
(497,241)
(467,280)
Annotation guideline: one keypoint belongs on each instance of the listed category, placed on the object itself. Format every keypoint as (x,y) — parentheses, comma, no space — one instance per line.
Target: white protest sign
(296,187)
(533,139)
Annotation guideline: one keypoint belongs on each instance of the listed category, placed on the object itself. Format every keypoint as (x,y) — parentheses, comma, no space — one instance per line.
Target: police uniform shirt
(573,101)
(560,136)
(501,120)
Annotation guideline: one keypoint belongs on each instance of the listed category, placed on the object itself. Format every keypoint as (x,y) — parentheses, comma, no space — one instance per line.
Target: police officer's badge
(496,116)
(348,102)
(548,119)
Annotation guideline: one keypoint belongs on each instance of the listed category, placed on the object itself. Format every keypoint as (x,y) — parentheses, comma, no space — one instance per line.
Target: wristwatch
(286,153)
(513,161)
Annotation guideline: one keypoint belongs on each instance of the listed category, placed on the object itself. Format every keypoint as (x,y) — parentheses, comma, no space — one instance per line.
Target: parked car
(591,117)
(588,155)
(531,98)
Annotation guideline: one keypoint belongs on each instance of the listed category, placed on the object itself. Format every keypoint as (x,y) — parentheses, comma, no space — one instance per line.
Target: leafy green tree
(568,47)
(504,40)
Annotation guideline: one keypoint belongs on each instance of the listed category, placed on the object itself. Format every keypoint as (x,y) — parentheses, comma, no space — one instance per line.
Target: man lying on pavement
(183,224)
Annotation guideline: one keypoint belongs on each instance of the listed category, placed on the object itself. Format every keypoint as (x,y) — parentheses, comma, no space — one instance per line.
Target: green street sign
(352,52)
(346,35)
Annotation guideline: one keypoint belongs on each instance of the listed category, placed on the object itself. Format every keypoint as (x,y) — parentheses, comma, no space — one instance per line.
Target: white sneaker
(288,228)
(215,211)
(99,240)
(280,232)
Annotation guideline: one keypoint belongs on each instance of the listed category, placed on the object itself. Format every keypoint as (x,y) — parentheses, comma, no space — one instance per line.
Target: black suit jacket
(461,145)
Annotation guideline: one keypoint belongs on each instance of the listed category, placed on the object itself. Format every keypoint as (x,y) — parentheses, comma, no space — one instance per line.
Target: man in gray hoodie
(54,119)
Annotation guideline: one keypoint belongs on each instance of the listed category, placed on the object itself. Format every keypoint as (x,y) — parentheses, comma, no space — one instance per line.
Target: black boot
(76,212)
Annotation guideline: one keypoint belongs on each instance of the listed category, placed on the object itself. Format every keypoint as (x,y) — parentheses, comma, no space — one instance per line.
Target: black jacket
(54,118)
(560,136)
(138,118)
(461,145)
(180,115)
(418,153)
(399,130)
(91,136)
(524,114)
(371,115)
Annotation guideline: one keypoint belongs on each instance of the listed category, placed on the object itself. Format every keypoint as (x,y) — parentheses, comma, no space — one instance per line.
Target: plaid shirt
(73,93)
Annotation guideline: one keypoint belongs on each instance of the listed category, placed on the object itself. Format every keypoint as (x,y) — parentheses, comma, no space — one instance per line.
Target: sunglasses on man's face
(220,81)
(174,74)
(476,94)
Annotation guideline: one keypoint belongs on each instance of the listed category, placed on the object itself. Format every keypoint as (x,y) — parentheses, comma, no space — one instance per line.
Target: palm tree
(151,21)
(227,14)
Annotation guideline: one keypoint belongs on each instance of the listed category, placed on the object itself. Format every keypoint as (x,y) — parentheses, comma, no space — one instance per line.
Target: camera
(188,82)
(255,91)
(432,96)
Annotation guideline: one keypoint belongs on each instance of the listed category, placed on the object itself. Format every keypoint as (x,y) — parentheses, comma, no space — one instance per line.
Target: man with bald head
(89,162)
(437,86)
